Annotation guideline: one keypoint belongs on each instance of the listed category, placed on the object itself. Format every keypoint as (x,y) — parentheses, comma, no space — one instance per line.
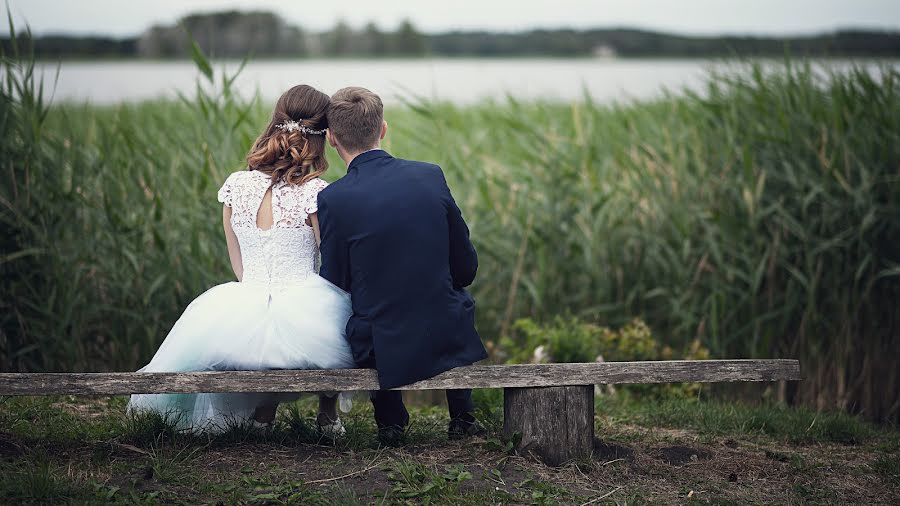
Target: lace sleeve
(312,202)
(226,192)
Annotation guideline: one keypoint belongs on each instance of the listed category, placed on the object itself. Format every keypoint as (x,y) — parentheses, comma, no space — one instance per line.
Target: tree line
(259,34)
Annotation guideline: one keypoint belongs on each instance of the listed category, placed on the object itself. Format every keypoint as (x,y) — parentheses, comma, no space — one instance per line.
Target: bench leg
(557,423)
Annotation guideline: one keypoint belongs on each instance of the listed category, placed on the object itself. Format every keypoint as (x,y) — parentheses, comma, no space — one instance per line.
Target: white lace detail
(287,252)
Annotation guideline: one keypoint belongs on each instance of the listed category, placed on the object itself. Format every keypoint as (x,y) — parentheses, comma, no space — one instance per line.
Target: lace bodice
(287,252)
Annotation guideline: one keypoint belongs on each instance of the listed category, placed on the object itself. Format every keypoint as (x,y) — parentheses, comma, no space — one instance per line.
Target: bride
(280,314)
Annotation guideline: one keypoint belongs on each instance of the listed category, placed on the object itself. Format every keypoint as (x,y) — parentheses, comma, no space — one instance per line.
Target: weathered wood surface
(556,423)
(477,376)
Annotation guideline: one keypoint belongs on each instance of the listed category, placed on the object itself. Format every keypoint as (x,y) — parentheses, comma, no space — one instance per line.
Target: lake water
(458,80)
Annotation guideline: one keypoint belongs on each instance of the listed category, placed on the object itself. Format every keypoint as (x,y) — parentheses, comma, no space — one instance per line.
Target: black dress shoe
(392,435)
(460,429)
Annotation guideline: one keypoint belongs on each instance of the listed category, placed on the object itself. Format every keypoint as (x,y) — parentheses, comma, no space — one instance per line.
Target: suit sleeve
(463,258)
(335,257)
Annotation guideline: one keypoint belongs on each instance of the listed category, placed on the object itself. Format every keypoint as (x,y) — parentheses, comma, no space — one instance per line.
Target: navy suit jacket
(393,237)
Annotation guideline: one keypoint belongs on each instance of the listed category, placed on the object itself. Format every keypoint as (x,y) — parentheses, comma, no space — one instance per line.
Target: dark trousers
(390,410)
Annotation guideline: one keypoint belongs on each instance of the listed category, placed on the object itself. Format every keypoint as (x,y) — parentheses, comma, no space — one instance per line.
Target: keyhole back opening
(265,218)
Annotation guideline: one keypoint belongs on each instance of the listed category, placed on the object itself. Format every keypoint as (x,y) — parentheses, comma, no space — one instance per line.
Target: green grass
(101,455)
(760,218)
(794,425)
(40,480)
(53,421)
(888,466)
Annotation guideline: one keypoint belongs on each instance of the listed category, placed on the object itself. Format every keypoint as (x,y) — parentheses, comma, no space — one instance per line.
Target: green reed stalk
(761,216)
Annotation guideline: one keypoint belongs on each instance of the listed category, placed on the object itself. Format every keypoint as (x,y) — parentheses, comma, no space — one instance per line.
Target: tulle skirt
(248,326)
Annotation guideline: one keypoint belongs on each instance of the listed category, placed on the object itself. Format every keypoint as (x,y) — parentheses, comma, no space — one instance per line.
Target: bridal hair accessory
(291,125)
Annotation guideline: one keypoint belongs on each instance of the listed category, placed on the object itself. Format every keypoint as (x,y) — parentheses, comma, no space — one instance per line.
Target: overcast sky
(130,17)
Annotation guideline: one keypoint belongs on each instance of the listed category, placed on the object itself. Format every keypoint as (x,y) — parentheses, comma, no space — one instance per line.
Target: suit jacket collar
(366,156)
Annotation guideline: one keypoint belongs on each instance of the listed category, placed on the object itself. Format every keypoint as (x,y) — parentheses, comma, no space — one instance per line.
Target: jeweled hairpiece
(291,125)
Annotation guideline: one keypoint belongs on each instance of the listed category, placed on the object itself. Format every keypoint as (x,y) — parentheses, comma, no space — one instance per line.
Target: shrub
(570,339)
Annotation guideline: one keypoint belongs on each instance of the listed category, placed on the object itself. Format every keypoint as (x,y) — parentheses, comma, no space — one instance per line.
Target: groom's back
(393,237)
(400,225)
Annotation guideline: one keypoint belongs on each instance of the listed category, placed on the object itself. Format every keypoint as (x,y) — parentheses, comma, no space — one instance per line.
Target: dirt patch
(9,446)
(777,456)
(609,452)
(680,455)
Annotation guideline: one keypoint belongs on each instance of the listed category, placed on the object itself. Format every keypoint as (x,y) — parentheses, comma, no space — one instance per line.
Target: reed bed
(761,217)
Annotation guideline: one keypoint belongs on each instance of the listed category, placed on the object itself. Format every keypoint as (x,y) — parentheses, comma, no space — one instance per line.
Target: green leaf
(20,254)
(201,61)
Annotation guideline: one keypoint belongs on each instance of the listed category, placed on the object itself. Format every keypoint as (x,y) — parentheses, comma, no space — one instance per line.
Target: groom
(393,237)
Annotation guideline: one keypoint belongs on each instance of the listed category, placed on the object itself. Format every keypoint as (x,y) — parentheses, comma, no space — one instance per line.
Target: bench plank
(476,376)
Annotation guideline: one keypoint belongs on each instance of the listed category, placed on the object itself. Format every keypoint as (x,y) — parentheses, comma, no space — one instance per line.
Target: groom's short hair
(355,117)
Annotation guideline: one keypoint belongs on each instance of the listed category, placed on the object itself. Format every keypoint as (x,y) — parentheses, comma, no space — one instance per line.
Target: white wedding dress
(281,315)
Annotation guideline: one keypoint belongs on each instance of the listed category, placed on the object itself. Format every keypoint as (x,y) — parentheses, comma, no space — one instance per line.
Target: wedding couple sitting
(390,294)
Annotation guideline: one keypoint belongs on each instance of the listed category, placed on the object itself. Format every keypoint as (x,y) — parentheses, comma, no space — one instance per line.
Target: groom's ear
(383,129)
(330,138)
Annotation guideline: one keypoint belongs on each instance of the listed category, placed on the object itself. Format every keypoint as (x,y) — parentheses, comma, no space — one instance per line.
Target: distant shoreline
(348,58)
(264,36)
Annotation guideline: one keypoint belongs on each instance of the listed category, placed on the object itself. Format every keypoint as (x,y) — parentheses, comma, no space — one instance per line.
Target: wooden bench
(550,405)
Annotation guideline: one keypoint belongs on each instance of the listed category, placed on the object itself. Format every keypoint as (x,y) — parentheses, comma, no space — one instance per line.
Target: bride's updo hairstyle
(292,147)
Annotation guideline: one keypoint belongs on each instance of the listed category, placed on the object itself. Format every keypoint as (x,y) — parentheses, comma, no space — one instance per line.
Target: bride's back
(277,241)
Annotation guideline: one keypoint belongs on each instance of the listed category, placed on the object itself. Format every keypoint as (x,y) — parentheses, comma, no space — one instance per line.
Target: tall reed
(110,223)
(761,216)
